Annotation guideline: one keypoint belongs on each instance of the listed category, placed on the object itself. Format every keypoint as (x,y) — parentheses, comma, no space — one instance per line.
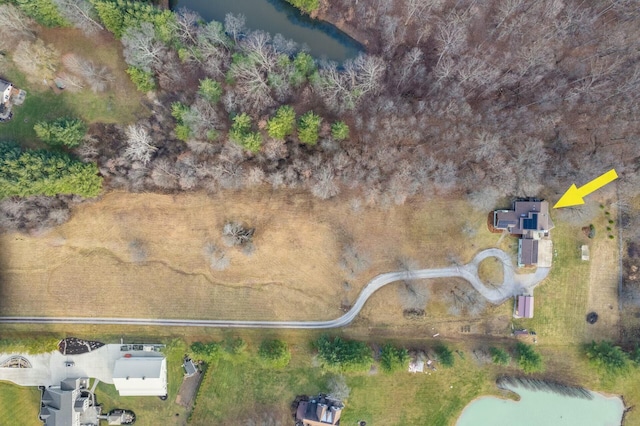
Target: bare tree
(140,145)
(37,60)
(80,13)
(337,387)
(353,261)
(216,257)
(235,234)
(464,298)
(234,26)
(324,184)
(15,25)
(413,294)
(142,49)
(138,251)
(98,77)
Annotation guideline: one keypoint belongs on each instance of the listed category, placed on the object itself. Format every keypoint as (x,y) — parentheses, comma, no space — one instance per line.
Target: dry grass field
(143,255)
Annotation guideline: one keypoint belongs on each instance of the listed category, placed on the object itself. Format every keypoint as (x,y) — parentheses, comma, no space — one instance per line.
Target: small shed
(524,307)
(189,367)
(585,252)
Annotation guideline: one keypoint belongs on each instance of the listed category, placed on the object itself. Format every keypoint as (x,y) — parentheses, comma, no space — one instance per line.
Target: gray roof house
(322,410)
(528,220)
(5,90)
(9,96)
(70,404)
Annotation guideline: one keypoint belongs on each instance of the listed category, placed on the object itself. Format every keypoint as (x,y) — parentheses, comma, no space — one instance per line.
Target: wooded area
(488,100)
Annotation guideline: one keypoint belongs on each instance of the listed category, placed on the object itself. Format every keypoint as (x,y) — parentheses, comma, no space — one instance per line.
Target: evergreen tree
(282,123)
(528,359)
(41,172)
(210,89)
(274,353)
(340,130)
(143,80)
(499,356)
(608,356)
(309,128)
(344,355)
(392,358)
(43,11)
(61,132)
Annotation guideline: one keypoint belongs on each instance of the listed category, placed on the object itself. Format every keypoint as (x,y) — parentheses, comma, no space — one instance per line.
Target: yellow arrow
(574,196)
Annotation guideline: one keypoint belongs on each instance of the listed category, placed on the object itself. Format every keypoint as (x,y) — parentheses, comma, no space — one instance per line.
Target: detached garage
(141,376)
(524,307)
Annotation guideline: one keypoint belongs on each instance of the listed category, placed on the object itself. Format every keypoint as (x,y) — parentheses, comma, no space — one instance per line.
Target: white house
(5,89)
(141,376)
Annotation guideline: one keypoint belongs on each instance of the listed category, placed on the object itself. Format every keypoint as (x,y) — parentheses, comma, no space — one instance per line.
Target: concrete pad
(545,253)
(50,368)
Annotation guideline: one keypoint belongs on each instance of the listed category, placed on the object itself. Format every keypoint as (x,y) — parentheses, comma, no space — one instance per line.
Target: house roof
(527,252)
(319,411)
(4,84)
(527,218)
(59,405)
(525,306)
(189,367)
(141,376)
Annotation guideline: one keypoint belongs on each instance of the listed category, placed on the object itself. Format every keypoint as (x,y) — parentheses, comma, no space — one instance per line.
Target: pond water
(276,16)
(543,408)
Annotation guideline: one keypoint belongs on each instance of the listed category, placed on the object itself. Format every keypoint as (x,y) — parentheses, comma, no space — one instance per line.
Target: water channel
(547,408)
(277,16)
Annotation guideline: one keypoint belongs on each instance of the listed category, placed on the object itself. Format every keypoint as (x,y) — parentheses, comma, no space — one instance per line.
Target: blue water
(540,408)
(276,16)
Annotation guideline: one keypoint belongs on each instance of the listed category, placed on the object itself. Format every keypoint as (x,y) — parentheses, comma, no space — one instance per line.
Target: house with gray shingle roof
(529,220)
(70,404)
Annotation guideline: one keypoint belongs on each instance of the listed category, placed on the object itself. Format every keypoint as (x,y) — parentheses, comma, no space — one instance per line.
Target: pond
(538,407)
(277,16)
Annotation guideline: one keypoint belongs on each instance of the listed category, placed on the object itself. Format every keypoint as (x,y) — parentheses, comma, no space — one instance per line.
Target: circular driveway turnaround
(513,284)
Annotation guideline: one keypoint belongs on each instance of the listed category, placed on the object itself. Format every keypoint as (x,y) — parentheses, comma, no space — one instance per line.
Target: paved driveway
(50,368)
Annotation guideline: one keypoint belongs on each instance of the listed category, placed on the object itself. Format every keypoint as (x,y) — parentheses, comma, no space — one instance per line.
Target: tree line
(507,99)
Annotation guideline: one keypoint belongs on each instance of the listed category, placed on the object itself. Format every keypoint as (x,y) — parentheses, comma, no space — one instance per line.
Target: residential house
(322,410)
(70,404)
(9,96)
(529,220)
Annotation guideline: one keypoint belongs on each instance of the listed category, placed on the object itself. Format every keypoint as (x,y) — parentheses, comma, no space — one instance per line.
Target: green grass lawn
(151,410)
(237,389)
(561,301)
(19,405)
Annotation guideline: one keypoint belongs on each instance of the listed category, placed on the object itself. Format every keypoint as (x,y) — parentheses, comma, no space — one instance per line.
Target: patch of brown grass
(85,267)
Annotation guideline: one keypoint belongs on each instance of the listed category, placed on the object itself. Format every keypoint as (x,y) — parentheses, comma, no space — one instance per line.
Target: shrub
(528,359)
(445,356)
(235,345)
(499,356)
(392,358)
(143,80)
(274,353)
(309,128)
(344,355)
(307,6)
(340,130)
(61,132)
(207,351)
